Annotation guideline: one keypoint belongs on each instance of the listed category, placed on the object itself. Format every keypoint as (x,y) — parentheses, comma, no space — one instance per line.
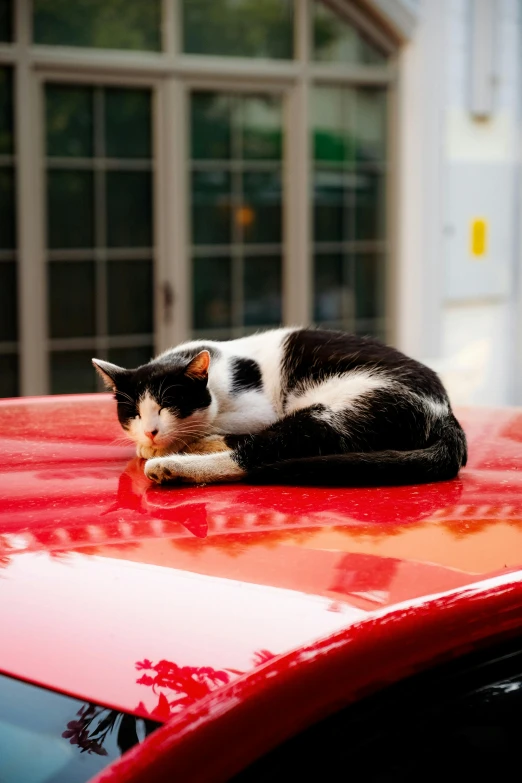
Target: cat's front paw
(162,471)
(194,468)
(149,452)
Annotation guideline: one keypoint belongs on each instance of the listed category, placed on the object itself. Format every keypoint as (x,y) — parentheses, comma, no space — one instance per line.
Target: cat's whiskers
(186,435)
(122,441)
(195,427)
(190,434)
(125,396)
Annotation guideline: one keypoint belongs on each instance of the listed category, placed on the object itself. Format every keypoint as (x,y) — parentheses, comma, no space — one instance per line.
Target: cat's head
(163,404)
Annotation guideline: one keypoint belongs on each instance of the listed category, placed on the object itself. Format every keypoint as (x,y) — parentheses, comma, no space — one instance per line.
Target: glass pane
(212,286)
(369,54)
(69,121)
(371,125)
(131,357)
(370,206)
(8,301)
(127,123)
(236,203)
(261,123)
(129,209)
(7,208)
(72,299)
(71,372)
(333,117)
(70,200)
(210,132)
(334,206)
(48,737)
(261,213)
(6,20)
(243,28)
(337,41)
(130,297)
(211,207)
(350,127)
(9,375)
(369,286)
(262,292)
(107,24)
(6,111)
(328,288)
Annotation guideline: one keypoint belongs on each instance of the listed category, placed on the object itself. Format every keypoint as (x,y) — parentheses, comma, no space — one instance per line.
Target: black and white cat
(292,405)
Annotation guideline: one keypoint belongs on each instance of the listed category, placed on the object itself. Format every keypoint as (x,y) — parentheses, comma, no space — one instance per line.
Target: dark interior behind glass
(462,721)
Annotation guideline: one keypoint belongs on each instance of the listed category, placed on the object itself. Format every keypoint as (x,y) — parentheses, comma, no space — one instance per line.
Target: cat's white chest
(245,413)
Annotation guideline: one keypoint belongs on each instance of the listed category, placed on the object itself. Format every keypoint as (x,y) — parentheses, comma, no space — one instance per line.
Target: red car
(218,633)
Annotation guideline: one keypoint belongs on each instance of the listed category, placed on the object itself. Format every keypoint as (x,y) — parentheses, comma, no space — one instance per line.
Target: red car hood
(146,599)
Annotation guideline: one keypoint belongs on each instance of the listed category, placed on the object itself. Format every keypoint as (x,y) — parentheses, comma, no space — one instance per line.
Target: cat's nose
(152,434)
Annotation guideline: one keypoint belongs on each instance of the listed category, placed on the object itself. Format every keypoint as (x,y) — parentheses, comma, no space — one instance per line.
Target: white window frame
(171,75)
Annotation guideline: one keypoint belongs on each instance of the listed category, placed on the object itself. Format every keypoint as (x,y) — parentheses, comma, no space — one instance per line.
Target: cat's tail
(440,461)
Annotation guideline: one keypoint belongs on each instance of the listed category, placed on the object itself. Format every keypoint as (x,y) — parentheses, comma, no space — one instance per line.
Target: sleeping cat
(288,406)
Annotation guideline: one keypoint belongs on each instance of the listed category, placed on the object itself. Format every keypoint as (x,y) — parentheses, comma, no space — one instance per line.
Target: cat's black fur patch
(246,375)
(391,448)
(317,354)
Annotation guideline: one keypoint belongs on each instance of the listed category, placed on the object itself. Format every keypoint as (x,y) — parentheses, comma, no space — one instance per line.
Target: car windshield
(46,737)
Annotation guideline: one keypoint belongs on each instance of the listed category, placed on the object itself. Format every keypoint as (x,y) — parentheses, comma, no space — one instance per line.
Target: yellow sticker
(479,236)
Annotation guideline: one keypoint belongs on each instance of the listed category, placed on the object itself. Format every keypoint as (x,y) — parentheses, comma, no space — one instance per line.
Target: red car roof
(154,600)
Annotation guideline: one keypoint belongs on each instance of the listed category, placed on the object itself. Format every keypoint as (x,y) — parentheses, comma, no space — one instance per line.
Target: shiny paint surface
(221,735)
(253,598)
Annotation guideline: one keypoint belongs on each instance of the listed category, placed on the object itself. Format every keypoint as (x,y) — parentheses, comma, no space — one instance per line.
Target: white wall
(466,168)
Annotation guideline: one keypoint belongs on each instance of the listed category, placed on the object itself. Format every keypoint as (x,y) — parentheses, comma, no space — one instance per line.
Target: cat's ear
(109,373)
(198,366)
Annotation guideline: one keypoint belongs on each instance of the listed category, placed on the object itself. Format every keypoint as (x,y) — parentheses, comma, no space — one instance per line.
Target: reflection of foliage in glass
(93,724)
(324,29)
(108,24)
(188,683)
(69,120)
(335,39)
(243,28)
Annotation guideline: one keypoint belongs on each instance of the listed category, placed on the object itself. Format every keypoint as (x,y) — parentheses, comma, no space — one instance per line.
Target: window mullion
(32,283)
(100,222)
(297,270)
(173,183)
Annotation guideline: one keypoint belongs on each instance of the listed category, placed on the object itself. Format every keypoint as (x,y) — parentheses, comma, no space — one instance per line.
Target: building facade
(460,152)
(178,168)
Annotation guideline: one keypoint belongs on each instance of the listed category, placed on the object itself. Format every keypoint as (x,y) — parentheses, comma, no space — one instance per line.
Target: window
(238,28)
(349,139)
(461,721)
(236,170)
(6,21)
(209,169)
(335,40)
(8,264)
(106,24)
(99,230)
